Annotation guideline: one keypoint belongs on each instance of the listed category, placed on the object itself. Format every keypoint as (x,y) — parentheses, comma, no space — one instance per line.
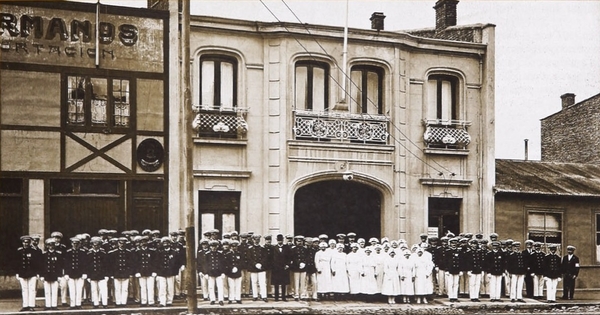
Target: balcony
(341,127)
(220,122)
(446,136)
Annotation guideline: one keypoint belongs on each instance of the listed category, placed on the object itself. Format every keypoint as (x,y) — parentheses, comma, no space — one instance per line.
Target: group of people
(235,265)
(101,266)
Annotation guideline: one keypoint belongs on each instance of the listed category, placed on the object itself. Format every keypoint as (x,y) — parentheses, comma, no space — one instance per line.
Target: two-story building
(392,136)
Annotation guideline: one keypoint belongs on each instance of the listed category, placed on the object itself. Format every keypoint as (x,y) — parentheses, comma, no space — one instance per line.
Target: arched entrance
(336,206)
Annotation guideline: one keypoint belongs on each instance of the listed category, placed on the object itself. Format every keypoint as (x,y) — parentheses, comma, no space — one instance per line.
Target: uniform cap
(473,241)
(422,235)
(173,233)
(354,245)
(213,243)
(50,241)
(434,238)
(351,234)
(225,242)
(385,240)
(495,243)
(75,239)
(444,238)
(125,233)
(203,241)
(537,244)
(361,240)
(323,236)
(102,232)
(226,235)
(341,235)
(332,242)
(373,239)
(235,243)
(146,232)
(134,232)
(308,239)
(155,232)
(122,239)
(571,247)
(268,237)
(234,233)
(25,237)
(256,236)
(165,239)
(138,238)
(494,234)
(552,246)
(479,236)
(207,233)
(453,240)
(516,243)
(244,235)
(289,236)
(56,234)
(181,232)
(528,242)
(299,237)
(96,240)
(464,240)
(340,245)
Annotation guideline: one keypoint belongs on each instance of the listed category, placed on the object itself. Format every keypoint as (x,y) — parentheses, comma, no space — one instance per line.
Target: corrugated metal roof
(547,178)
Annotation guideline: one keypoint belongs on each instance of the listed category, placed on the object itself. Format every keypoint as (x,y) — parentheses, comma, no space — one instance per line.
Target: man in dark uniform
(233,271)
(280,276)
(454,264)
(51,270)
(96,270)
(27,270)
(440,267)
(62,282)
(570,270)
(73,270)
(121,264)
(485,280)
(495,264)
(215,269)
(269,262)
(528,255)
(311,269)
(552,273)
(201,267)
(256,260)
(145,271)
(167,267)
(299,259)
(516,265)
(243,248)
(537,270)
(474,260)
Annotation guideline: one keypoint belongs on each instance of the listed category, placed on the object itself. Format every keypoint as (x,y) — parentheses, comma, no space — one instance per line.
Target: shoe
(276,299)
(239,302)
(512,300)
(54,308)
(265,300)
(296,299)
(221,303)
(96,306)
(521,300)
(65,304)
(47,308)
(284,299)
(104,306)
(73,307)
(255,299)
(206,299)
(212,302)
(477,300)
(498,300)
(230,302)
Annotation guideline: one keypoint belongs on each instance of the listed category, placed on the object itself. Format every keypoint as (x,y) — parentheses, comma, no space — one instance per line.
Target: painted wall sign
(66,37)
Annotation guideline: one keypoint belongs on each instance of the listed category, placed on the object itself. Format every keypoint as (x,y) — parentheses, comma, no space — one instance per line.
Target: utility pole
(188,182)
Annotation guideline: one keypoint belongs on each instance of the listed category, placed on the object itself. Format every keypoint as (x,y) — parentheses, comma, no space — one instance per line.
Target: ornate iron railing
(220,122)
(327,126)
(451,134)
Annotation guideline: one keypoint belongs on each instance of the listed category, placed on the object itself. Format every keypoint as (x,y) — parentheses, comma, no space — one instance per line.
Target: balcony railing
(328,126)
(450,134)
(220,122)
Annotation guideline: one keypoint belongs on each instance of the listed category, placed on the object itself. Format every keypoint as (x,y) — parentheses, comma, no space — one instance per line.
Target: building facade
(84,118)
(393,137)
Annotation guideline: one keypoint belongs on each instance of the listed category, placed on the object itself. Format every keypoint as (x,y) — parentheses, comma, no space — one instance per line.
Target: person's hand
(17,276)
(84,276)
(460,273)
(234,270)
(42,279)
(258,266)
(66,277)
(302,265)
(154,274)
(137,275)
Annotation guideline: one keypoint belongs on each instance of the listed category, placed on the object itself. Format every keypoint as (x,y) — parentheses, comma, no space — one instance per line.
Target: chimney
(377,21)
(445,14)
(568,99)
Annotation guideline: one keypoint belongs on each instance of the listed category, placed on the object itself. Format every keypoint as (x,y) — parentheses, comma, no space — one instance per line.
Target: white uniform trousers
(485,284)
(218,281)
(28,291)
(121,290)
(225,288)
(311,285)
(474,285)
(259,282)
(441,281)
(452,281)
(551,289)
(99,290)
(62,285)
(166,285)
(204,285)
(75,291)
(507,284)
(235,288)
(495,286)
(51,293)
(538,285)
(146,290)
(516,286)
(299,284)
(178,282)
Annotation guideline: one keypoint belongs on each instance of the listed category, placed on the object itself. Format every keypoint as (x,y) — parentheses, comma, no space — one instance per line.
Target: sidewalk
(438,306)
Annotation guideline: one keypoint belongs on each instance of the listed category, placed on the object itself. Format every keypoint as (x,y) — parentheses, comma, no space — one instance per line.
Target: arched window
(443,97)
(312,86)
(366,90)
(218,81)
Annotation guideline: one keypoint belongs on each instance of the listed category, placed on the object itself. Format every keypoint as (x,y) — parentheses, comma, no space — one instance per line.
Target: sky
(543,48)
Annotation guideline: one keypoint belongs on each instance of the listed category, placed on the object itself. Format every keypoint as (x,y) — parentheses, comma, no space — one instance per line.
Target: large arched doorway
(336,206)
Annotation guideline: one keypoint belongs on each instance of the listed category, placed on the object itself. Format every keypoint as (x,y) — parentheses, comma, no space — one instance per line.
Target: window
(218,81)
(312,88)
(98,102)
(83,187)
(366,90)
(443,98)
(545,227)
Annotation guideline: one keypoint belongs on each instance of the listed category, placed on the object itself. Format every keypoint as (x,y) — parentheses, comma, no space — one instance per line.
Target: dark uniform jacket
(475,261)
(215,263)
(233,259)
(243,248)
(281,257)
(52,265)
(96,264)
(201,261)
(75,262)
(255,254)
(121,263)
(454,261)
(299,255)
(145,261)
(269,256)
(570,267)
(516,263)
(536,262)
(528,259)
(311,267)
(552,266)
(167,262)
(29,262)
(495,262)
(440,256)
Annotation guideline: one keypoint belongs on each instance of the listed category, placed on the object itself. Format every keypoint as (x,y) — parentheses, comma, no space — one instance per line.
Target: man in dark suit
(281,261)
(528,253)
(570,270)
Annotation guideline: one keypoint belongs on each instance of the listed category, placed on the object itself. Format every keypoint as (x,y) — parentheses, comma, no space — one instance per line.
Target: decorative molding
(445,182)
(222,173)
